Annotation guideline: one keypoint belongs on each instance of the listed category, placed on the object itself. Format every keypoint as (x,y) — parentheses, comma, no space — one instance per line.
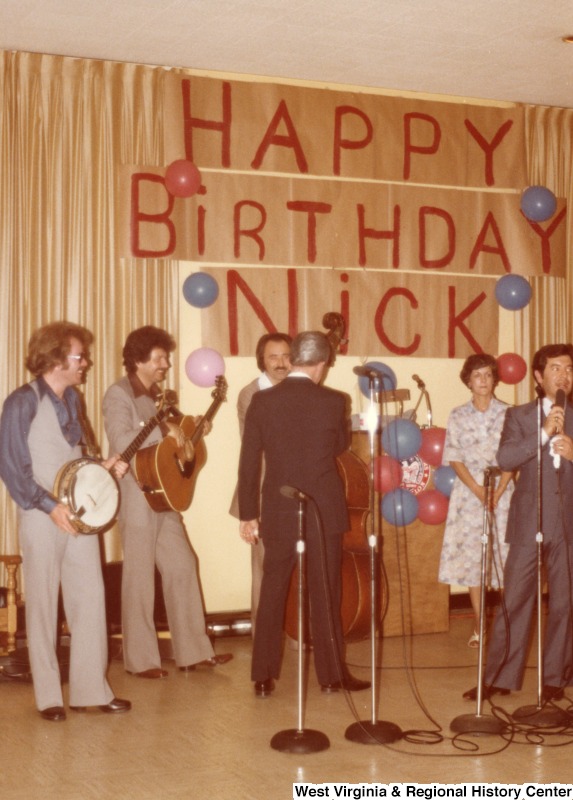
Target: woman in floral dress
(472,439)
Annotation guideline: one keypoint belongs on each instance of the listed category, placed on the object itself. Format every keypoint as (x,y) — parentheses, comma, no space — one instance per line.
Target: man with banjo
(41,432)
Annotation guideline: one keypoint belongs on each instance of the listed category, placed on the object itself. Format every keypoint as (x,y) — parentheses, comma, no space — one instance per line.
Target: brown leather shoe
(53,714)
(349,684)
(115,706)
(152,674)
(215,661)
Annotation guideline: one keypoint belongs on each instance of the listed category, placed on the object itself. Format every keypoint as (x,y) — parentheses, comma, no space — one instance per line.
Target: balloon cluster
(402,439)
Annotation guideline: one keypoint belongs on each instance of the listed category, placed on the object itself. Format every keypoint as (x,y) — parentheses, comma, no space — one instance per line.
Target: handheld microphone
(492,472)
(560,403)
(293,493)
(419,382)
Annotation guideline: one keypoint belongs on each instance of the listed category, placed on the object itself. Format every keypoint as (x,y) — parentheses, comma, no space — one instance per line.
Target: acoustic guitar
(168,482)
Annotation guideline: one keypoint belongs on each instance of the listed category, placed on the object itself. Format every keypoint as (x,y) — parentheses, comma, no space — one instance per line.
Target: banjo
(91,491)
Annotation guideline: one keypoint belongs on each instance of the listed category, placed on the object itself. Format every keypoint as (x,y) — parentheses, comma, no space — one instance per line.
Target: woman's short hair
(477,361)
(50,345)
(140,342)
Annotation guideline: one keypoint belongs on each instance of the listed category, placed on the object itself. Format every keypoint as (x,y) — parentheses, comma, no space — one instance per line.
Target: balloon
(387,474)
(388,378)
(513,292)
(401,439)
(200,290)
(203,366)
(444,478)
(399,507)
(432,507)
(511,368)
(432,445)
(538,203)
(182,178)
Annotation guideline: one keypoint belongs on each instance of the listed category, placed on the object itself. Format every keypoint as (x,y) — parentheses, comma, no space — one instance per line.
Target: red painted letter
(190,122)
(272,137)
(426,149)
(349,144)
(138,217)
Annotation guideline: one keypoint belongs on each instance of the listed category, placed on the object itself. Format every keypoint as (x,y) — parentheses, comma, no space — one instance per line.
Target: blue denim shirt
(16,469)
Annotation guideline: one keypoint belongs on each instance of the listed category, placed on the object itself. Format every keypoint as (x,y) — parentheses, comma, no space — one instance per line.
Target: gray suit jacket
(518,451)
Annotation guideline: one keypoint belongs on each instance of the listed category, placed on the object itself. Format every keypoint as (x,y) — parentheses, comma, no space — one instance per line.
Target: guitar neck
(199,431)
(151,423)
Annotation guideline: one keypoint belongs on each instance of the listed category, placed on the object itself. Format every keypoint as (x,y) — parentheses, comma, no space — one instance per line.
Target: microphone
(366,372)
(560,403)
(492,472)
(419,382)
(293,493)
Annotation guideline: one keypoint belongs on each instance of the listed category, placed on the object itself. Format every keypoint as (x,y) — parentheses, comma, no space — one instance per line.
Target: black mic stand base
(379,732)
(477,724)
(300,741)
(548,716)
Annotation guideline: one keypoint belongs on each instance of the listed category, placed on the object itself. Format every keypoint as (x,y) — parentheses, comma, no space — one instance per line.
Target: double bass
(356,584)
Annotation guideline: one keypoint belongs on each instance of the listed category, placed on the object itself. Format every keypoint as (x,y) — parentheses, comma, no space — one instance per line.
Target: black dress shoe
(551,693)
(264,688)
(152,674)
(349,684)
(214,661)
(53,714)
(115,706)
(488,691)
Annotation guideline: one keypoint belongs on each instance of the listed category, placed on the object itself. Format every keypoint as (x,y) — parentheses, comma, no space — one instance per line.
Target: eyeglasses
(78,356)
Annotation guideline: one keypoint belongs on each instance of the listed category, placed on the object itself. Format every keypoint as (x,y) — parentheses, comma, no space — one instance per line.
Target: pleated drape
(65,127)
(547,318)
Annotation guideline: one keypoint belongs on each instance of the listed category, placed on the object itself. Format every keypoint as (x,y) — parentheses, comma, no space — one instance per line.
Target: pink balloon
(203,366)
(387,474)
(432,507)
(511,368)
(182,178)
(432,446)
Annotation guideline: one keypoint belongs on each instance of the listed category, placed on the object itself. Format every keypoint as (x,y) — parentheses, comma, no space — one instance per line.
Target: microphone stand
(373,731)
(478,722)
(550,715)
(299,740)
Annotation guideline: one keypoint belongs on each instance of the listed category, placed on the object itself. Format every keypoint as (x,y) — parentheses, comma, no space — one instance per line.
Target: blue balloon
(444,478)
(399,507)
(401,439)
(200,290)
(513,292)
(538,203)
(389,380)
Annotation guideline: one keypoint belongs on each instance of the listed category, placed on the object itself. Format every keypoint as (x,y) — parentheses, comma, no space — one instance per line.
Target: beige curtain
(547,318)
(65,127)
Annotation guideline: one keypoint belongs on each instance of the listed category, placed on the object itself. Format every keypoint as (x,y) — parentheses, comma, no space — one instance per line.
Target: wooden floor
(205,735)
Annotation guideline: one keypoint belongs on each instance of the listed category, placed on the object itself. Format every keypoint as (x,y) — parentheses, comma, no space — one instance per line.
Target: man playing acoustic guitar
(152,537)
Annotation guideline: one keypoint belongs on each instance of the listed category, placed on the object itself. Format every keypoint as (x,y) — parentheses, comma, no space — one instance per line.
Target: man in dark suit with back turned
(300,427)
(553,370)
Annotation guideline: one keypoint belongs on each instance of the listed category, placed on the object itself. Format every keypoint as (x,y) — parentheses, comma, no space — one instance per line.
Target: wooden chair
(8,615)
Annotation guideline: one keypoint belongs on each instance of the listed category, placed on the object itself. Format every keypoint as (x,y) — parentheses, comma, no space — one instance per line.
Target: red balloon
(182,178)
(432,507)
(511,368)
(387,474)
(432,446)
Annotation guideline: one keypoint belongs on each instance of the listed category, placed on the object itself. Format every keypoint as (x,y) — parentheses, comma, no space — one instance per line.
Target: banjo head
(90,491)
